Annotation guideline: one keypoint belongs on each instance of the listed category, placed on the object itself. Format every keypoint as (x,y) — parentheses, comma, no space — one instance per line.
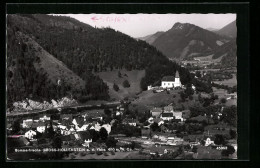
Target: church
(171,81)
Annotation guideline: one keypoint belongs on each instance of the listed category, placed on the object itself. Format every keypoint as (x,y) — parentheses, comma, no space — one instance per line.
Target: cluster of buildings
(168,113)
(69,127)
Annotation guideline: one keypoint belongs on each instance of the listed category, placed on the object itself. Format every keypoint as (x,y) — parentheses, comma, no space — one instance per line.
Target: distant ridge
(229,30)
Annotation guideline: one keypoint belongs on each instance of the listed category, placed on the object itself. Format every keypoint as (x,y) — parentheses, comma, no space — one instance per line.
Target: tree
(223,100)
(57,142)
(198,74)
(107,111)
(230,115)
(126,84)
(229,151)
(111,142)
(94,134)
(187,147)
(219,139)
(154,126)
(50,130)
(103,133)
(190,97)
(194,149)
(115,87)
(16,126)
(202,142)
(233,134)
(189,91)
(183,96)
(119,74)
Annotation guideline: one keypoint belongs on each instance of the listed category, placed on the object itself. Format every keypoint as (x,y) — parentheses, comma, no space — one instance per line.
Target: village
(163,132)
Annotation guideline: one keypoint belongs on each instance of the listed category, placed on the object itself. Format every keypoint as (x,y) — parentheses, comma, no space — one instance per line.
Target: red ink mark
(108,19)
(94,18)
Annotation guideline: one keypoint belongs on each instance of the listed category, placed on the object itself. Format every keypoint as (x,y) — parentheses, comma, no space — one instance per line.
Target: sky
(140,25)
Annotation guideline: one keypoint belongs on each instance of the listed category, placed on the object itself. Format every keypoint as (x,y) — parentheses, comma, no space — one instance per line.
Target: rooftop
(168,78)
(167,115)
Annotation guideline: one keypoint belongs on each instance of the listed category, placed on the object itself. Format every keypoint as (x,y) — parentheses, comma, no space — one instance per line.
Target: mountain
(184,40)
(151,38)
(212,29)
(229,52)
(229,30)
(45,49)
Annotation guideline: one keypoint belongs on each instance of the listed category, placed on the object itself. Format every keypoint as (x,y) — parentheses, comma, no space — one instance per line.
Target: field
(222,94)
(134,77)
(213,128)
(209,58)
(229,82)
(208,153)
(149,99)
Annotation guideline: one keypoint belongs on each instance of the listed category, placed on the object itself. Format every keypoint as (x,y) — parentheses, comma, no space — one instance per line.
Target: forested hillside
(83,50)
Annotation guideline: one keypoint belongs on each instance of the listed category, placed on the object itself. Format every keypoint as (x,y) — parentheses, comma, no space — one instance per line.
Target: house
(167,116)
(168,109)
(156,111)
(171,81)
(150,120)
(66,117)
(107,127)
(9,127)
(208,141)
(185,114)
(118,113)
(41,127)
(86,137)
(132,122)
(44,118)
(30,134)
(95,125)
(84,127)
(78,122)
(27,123)
(159,150)
(34,126)
(233,143)
(159,121)
(192,86)
(177,115)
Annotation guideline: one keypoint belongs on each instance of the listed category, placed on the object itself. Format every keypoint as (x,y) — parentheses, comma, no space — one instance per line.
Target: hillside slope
(133,77)
(229,30)
(152,37)
(54,68)
(81,51)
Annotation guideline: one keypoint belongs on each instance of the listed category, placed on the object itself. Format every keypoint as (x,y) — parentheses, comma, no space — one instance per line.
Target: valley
(76,91)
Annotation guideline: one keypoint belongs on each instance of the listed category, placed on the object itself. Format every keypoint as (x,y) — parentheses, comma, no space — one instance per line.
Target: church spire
(177,74)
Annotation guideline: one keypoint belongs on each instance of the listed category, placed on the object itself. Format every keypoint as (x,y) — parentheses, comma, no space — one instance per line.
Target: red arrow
(94,18)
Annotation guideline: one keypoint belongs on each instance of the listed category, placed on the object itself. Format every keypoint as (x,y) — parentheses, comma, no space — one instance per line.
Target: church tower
(177,81)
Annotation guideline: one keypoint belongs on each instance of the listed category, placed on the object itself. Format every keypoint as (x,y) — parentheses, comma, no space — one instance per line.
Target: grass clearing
(134,77)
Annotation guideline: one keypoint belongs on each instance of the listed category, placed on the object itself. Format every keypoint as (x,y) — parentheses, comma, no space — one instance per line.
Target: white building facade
(171,82)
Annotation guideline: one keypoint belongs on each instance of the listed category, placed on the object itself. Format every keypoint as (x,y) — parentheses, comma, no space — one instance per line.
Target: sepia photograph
(121,86)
